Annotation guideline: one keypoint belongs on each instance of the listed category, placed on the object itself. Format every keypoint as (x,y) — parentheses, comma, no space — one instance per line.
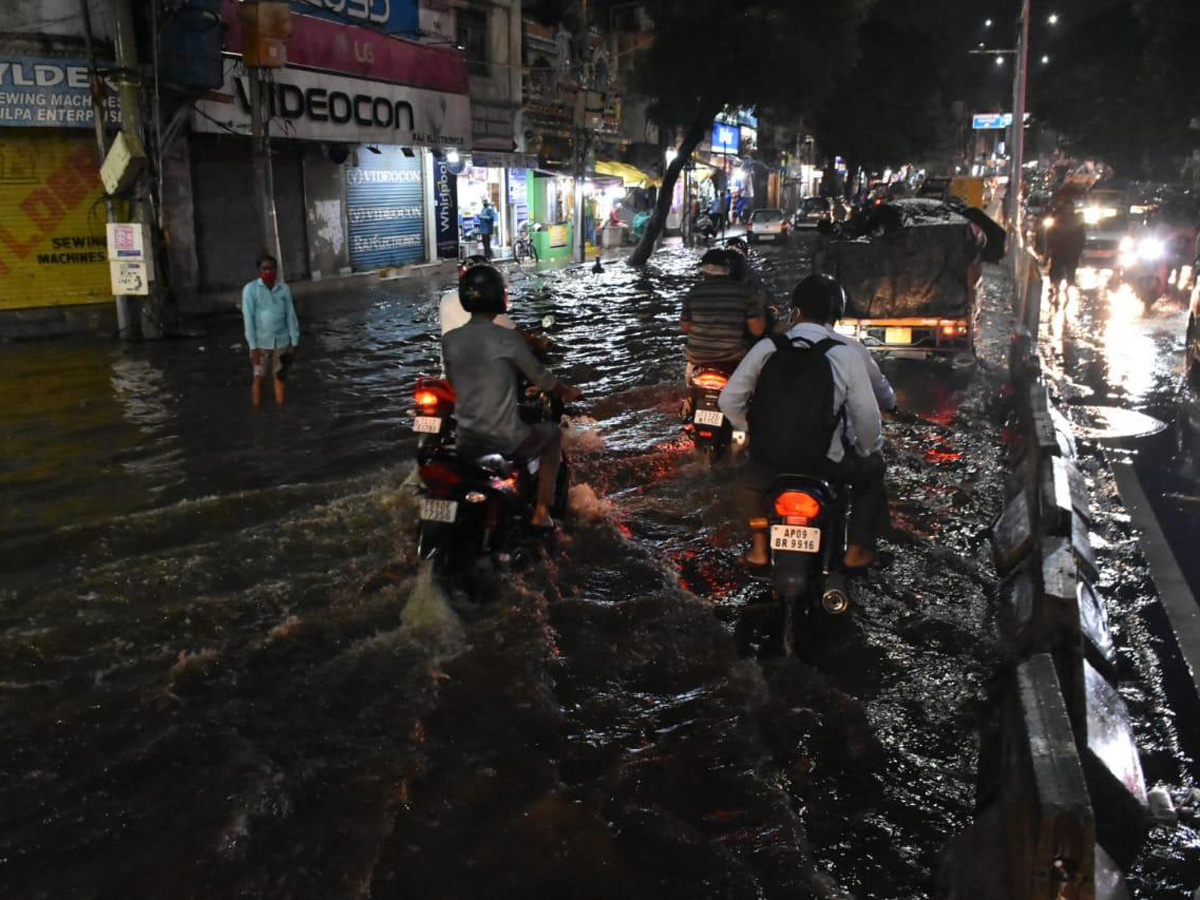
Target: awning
(597,177)
(629,175)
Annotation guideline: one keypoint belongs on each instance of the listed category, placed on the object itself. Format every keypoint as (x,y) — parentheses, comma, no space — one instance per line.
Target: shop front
(361,144)
(502,180)
(52,221)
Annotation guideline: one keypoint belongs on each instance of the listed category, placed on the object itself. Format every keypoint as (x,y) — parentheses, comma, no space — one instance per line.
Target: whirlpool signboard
(324,107)
(390,16)
(42,92)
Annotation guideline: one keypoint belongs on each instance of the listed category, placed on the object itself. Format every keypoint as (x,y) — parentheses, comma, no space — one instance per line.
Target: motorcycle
(710,429)
(807,541)
(1145,268)
(704,227)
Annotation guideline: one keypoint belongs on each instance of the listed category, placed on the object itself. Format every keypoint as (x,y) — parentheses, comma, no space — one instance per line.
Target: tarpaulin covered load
(915,259)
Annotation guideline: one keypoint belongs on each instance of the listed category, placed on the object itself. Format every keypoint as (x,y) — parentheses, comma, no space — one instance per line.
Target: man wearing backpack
(795,394)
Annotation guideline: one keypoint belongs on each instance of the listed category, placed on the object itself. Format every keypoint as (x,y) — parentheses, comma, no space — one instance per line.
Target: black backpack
(792,420)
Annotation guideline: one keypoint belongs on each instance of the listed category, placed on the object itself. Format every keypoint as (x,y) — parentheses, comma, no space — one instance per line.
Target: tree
(706,56)
(884,113)
(1126,87)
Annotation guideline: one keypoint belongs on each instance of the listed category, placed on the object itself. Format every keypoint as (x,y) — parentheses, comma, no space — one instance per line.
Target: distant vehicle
(812,210)
(767,225)
(1105,212)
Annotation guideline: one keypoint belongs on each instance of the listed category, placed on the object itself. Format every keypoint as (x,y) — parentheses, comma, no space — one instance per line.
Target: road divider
(1062,805)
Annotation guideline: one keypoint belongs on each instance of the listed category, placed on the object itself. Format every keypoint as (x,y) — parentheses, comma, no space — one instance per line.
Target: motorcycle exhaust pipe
(835,600)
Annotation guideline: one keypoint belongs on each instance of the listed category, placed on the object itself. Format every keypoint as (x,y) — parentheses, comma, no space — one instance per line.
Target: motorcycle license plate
(427,425)
(438,510)
(795,539)
(709,417)
(897,336)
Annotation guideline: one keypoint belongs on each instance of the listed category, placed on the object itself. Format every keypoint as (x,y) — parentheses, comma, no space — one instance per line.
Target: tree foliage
(781,57)
(884,112)
(1125,84)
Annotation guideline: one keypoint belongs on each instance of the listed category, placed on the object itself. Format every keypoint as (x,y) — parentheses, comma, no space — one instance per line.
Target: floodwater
(223,673)
(1118,371)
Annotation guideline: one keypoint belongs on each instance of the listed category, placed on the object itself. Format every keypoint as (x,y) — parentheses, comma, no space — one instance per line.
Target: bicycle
(523,246)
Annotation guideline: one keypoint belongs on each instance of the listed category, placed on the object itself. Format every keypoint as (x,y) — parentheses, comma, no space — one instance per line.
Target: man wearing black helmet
(483,361)
(717,314)
(744,271)
(828,426)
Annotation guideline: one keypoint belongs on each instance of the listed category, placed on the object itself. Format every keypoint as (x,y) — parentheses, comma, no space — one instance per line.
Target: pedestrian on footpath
(487,225)
(272,330)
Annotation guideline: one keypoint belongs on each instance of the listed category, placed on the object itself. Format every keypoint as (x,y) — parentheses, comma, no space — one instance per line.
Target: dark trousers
(863,474)
(545,444)
(487,245)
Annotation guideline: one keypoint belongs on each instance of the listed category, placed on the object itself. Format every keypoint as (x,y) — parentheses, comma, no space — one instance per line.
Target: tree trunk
(658,219)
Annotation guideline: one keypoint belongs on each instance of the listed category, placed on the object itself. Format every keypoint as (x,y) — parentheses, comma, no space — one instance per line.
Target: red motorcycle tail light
(797,504)
(426,398)
(710,380)
(439,475)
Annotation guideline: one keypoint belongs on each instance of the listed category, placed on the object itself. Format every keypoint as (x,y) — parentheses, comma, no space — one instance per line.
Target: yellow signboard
(53,250)
(557,235)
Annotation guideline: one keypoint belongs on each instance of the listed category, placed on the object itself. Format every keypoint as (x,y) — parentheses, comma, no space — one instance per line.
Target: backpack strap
(824,346)
(781,342)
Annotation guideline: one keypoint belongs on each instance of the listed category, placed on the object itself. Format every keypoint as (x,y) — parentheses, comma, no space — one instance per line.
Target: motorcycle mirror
(547,322)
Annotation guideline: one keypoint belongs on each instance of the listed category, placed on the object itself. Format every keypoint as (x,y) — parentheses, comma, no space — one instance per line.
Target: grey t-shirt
(483,361)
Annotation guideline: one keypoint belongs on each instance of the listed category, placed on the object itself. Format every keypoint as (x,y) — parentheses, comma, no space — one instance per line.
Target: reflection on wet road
(223,673)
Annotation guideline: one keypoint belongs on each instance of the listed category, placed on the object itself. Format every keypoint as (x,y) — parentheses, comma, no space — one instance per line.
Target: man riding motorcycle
(483,361)
(717,314)
(744,271)
(829,427)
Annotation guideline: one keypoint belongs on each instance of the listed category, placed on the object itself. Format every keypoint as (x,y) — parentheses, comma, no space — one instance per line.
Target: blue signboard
(518,197)
(991,121)
(388,16)
(726,138)
(42,92)
(385,209)
(445,206)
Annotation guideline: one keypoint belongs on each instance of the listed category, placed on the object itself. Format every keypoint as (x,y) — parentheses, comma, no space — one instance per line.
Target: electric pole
(1020,87)
(123,324)
(129,82)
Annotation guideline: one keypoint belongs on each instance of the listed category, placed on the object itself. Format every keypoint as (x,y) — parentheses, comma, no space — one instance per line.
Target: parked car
(811,211)
(767,225)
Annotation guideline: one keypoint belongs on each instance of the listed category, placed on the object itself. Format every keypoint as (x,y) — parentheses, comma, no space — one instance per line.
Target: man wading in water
(272,330)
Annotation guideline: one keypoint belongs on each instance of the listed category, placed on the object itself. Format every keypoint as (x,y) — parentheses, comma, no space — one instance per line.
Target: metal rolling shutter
(227,232)
(385,205)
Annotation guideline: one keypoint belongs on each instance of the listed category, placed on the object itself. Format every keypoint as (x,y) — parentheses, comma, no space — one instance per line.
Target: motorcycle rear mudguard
(792,574)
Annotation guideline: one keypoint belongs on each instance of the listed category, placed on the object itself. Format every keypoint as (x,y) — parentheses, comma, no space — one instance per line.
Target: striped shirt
(718,308)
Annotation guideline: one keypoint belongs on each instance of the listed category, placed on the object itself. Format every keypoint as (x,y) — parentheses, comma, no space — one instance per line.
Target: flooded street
(223,673)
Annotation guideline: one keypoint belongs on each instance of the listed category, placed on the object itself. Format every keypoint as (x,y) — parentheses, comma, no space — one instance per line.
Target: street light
(1053,20)
(1045,60)
(987,23)
(999,60)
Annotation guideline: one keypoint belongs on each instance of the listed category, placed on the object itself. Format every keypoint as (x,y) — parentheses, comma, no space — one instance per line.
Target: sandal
(752,565)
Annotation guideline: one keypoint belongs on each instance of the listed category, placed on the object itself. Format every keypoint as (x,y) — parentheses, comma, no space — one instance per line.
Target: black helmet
(820,298)
(481,289)
(477,259)
(738,246)
(717,257)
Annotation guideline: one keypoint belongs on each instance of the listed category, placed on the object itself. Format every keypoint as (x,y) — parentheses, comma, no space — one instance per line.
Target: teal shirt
(269,316)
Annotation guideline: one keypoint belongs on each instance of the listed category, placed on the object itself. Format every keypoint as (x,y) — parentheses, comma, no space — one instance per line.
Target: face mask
(268,278)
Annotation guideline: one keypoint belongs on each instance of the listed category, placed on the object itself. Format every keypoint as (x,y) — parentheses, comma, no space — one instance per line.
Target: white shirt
(851,390)
(452,314)
(882,388)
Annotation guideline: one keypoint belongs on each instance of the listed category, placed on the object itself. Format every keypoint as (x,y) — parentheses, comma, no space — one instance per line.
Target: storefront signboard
(557,235)
(445,205)
(338,47)
(725,138)
(42,92)
(317,106)
(390,16)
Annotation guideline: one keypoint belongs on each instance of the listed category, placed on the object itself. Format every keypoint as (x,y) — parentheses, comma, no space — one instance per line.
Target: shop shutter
(385,206)
(53,250)
(227,231)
